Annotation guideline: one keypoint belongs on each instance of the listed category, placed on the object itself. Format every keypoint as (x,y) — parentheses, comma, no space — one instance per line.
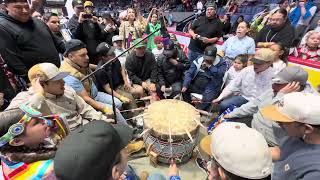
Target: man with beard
(278,30)
(290,79)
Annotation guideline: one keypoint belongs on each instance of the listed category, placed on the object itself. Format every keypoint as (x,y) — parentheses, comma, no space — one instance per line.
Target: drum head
(178,115)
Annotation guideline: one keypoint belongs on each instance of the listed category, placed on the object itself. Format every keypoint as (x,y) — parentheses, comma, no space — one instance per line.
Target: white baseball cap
(116,38)
(295,107)
(46,72)
(240,150)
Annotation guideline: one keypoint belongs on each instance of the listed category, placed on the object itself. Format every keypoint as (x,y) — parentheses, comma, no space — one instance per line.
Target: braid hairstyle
(21,153)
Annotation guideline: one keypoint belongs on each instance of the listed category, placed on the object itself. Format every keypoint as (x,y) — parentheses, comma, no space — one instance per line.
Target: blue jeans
(192,55)
(233,100)
(105,98)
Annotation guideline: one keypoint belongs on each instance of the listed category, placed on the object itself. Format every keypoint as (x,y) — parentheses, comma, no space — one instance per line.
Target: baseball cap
(232,143)
(295,107)
(138,45)
(88,4)
(77,3)
(105,49)
(46,72)
(13,1)
(73,45)
(263,55)
(211,5)
(157,39)
(89,151)
(210,53)
(290,74)
(116,38)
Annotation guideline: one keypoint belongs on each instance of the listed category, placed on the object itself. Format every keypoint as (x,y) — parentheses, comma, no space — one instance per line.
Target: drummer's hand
(173,170)
(163,88)
(184,89)
(152,87)
(125,100)
(216,101)
(227,116)
(36,85)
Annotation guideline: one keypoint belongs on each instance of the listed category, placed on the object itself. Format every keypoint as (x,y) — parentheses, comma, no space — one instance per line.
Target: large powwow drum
(173,130)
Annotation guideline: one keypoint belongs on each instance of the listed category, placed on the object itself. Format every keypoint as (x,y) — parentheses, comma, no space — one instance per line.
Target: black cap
(73,45)
(77,2)
(13,1)
(169,49)
(210,53)
(105,49)
(89,151)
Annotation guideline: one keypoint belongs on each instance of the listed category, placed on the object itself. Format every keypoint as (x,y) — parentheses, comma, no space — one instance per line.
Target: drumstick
(170,138)
(141,134)
(199,123)
(200,102)
(132,110)
(140,115)
(204,112)
(196,147)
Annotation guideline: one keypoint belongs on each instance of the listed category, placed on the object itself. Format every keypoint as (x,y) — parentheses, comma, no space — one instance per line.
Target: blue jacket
(215,73)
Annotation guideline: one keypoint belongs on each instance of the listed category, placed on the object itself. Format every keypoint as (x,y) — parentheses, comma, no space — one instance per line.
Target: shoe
(134,147)
(202,164)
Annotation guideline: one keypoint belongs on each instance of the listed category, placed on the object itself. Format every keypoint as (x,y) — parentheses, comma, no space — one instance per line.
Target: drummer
(231,154)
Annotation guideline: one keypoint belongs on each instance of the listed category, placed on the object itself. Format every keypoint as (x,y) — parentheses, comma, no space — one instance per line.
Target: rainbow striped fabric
(22,171)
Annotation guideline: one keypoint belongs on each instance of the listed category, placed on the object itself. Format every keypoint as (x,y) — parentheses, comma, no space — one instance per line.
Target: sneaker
(134,147)
(202,164)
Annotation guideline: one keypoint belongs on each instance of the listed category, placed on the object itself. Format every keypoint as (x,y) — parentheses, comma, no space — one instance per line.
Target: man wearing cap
(204,31)
(142,69)
(252,81)
(84,26)
(121,86)
(49,95)
(94,151)
(117,44)
(205,76)
(76,62)
(26,41)
(290,79)
(171,70)
(234,158)
(298,154)
(109,28)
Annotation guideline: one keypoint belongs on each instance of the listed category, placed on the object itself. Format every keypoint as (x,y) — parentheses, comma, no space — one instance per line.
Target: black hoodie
(284,35)
(26,44)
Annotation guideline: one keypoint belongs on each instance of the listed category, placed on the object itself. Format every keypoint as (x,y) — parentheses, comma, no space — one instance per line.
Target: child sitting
(159,49)
(310,49)
(26,143)
(239,63)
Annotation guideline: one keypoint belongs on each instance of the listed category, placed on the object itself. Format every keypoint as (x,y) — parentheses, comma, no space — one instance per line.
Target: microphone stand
(111,61)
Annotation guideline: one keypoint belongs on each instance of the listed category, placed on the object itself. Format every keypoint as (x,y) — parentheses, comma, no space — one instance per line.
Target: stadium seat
(233,18)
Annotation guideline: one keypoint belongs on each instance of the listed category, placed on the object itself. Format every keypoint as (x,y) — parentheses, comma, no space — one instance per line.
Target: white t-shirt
(156,52)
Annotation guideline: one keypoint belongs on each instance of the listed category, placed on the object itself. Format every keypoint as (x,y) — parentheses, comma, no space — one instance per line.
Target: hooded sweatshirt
(26,44)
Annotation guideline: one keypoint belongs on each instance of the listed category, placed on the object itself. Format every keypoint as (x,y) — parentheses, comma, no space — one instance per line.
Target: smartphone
(87,16)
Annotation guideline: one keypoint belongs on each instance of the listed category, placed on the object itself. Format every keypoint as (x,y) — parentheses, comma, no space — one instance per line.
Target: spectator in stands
(155,23)
(238,44)
(109,28)
(230,145)
(171,69)
(142,69)
(205,76)
(199,7)
(204,31)
(98,151)
(25,150)
(317,29)
(278,30)
(114,71)
(85,27)
(53,22)
(26,41)
(298,152)
(235,24)
(281,55)
(252,81)
(49,95)
(226,24)
(290,79)
(301,15)
(131,29)
(240,62)
(310,50)
(158,41)
(76,62)
(233,7)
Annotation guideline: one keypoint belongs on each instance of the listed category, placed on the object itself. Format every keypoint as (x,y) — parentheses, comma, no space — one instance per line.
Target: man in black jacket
(26,41)
(171,67)
(84,26)
(142,69)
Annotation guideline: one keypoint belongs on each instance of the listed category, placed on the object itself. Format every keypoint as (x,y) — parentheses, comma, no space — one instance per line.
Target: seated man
(205,77)
(142,69)
(49,95)
(252,81)
(96,151)
(232,145)
(76,62)
(120,83)
(290,79)
(171,69)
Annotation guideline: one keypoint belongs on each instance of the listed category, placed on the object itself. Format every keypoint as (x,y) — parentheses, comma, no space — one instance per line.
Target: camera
(87,16)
